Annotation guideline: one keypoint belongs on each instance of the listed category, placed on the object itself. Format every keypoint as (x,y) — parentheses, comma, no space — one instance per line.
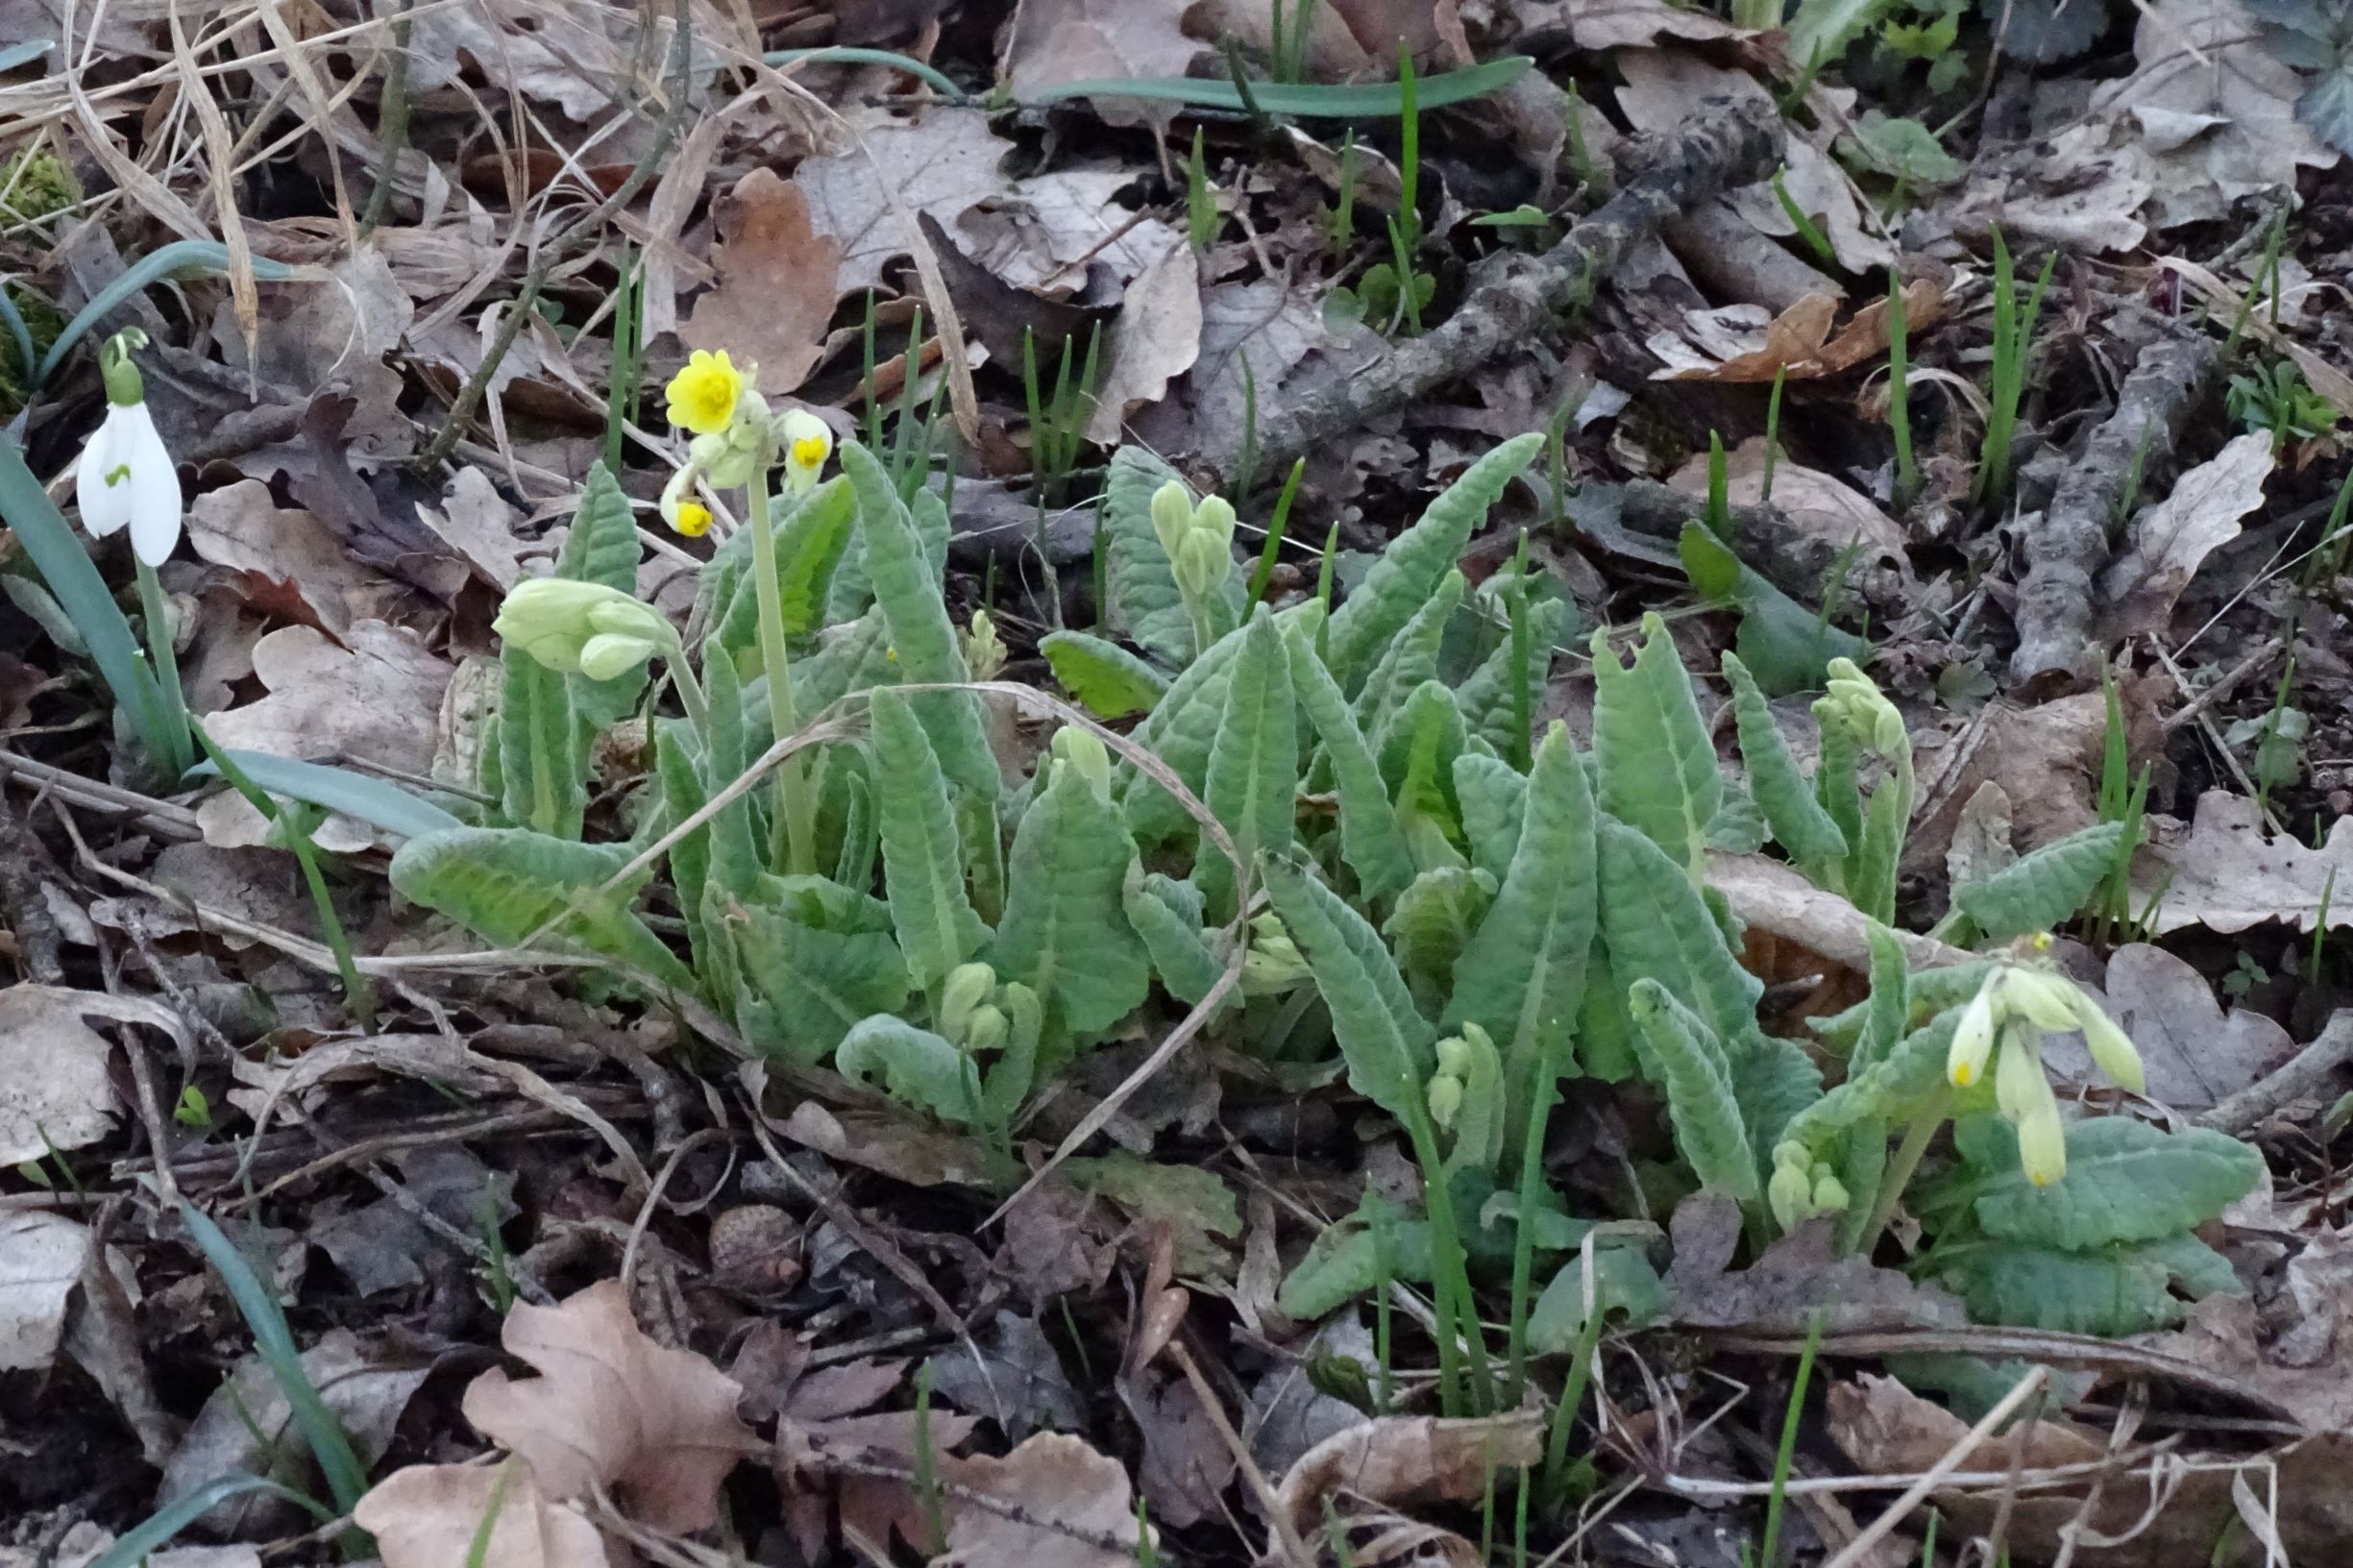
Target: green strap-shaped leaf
(818,983)
(680,773)
(908,591)
(2126,1181)
(922,858)
(1181,953)
(852,657)
(1605,1028)
(1523,978)
(1656,928)
(1893,1090)
(1065,934)
(1681,1055)
(1253,779)
(1417,750)
(850,799)
(1870,879)
(1409,571)
(503,883)
(539,764)
(2040,890)
(1412,659)
(1486,698)
(1781,792)
(1345,1263)
(1889,1002)
(1493,795)
(1835,784)
(913,1066)
(1371,842)
(737,860)
(1657,769)
(1387,1042)
(1144,605)
(1108,680)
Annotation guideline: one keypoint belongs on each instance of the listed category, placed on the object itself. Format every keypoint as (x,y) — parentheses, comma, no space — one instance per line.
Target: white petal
(154,493)
(104,508)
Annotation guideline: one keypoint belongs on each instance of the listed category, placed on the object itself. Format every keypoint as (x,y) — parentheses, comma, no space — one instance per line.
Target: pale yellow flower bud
(1972,1037)
(1172,516)
(2041,1143)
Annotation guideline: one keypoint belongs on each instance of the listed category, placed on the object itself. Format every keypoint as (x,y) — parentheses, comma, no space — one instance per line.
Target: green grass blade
(69,575)
(135,1545)
(1311,101)
(375,801)
(842,55)
(182,257)
(346,1477)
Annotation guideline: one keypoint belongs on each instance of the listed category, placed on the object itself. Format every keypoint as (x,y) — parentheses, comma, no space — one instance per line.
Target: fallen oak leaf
(2172,539)
(2223,872)
(1052,1502)
(1400,1459)
(2194,1055)
(432,1516)
(1798,343)
(613,1409)
(775,290)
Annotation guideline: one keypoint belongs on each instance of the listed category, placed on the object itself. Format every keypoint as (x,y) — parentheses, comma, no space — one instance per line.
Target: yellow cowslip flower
(702,396)
(694,519)
(2042,1143)
(807,443)
(1972,1038)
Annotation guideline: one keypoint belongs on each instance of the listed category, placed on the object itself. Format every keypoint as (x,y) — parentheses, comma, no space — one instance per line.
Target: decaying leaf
(1884,1427)
(1772,895)
(54,1089)
(2172,539)
(2194,1055)
(776,282)
(611,1408)
(289,562)
(1798,343)
(374,695)
(2223,871)
(1051,1480)
(430,1516)
(1157,340)
(41,1256)
(1818,503)
(940,164)
(1402,1460)
(1795,1279)
(1054,42)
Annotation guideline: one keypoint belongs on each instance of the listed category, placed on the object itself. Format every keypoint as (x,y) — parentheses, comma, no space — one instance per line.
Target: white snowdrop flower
(126,477)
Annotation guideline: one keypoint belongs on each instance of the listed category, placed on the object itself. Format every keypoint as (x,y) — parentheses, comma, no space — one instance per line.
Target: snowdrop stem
(794,813)
(158,616)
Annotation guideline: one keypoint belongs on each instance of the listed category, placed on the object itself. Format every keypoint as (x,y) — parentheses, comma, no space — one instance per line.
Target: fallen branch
(1514,296)
(2068,545)
(2302,1073)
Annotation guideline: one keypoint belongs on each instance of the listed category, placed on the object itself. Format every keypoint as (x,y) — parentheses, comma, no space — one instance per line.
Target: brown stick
(2303,1072)
(2068,547)
(1514,296)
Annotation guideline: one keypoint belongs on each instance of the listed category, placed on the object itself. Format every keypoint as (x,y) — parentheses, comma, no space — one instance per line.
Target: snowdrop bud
(1972,1037)
(607,654)
(962,993)
(126,477)
(1172,516)
(2047,999)
(2042,1143)
(1084,751)
(1445,1100)
(2111,1047)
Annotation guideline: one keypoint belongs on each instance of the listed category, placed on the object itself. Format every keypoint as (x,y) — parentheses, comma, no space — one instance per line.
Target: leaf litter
(431,1206)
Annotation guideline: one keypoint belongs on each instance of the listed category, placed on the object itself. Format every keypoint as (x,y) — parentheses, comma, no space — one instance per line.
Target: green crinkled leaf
(1739,827)
(1411,658)
(539,763)
(737,860)
(1493,795)
(1108,680)
(1682,1055)
(907,589)
(922,856)
(2126,1180)
(1409,569)
(1433,923)
(913,1066)
(1417,749)
(1144,604)
(1486,696)
(1627,1291)
(1344,1264)
(1253,782)
(1658,768)
(1168,915)
(1522,978)
(1788,646)
(818,982)
(1179,731)
(503,883)
(602,547)
(680,773)
(1065,933)
(852,658)
(1371,842)
(1893,1088)
(813,533)
(2109,1292)
(1781,792)
(1605,1028)
(1656,927)
(2042,888)
(1388,1046)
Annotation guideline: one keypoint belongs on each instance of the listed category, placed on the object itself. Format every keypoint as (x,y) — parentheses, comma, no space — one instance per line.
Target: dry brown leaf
(776,282)
(55,1092)
(291,563)
(2046,759)
(1054,42)
(614,1409)
(2222,871)
(1767,895)
(40,1259)
(1157,340)
(1052,231)
(375,695)
(940,163)
(2073,189)
(1886,1429)
(2172,539)
(1402,1460)
(2194,1055)
(1619,24)
(1798,343)
(1052,1479)
(2325,378)
(1798,1278)
(1818,503)
(478,524)
(87,1542)
(429,1515)
(1261,333)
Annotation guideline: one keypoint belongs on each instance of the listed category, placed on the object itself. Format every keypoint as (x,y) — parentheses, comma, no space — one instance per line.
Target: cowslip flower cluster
(126,478)
(583,628)
(736,438)
(2003,1026)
